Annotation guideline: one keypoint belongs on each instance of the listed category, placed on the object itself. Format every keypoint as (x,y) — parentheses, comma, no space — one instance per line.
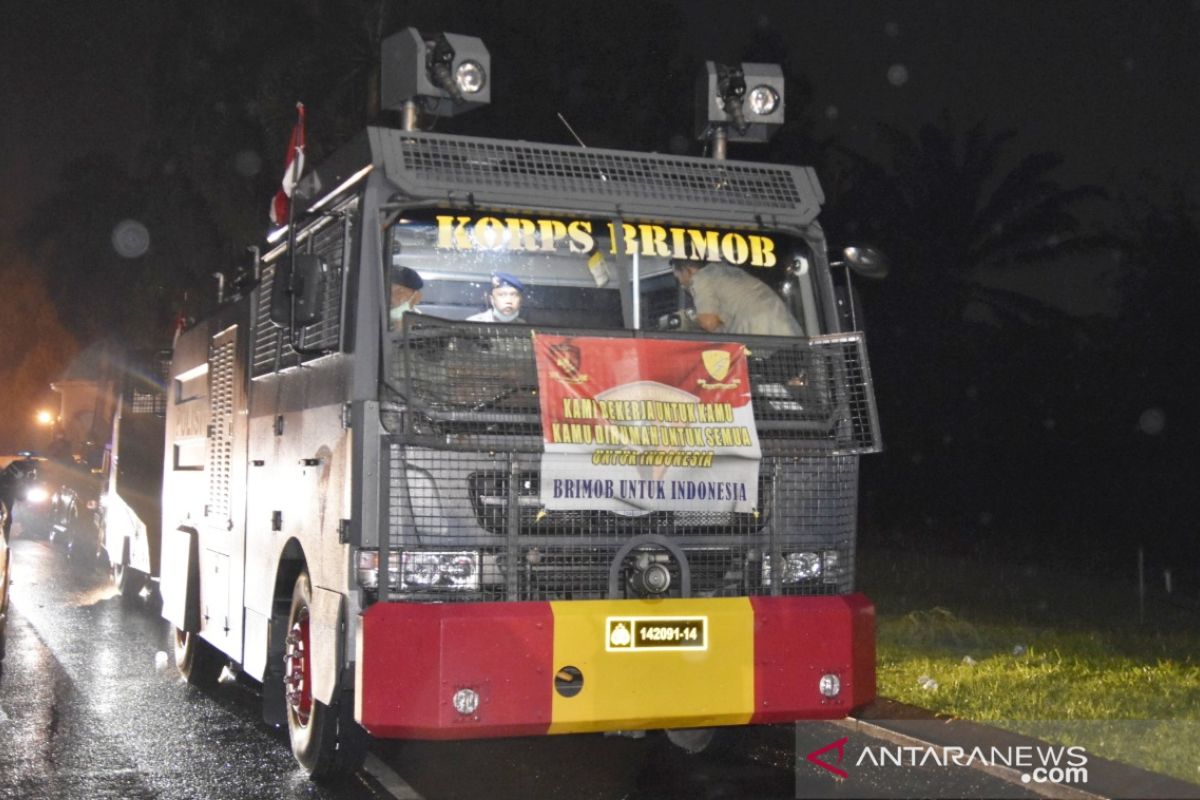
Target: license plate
(631,634)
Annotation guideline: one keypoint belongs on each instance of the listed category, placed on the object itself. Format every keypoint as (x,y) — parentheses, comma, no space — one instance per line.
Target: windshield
(598,273)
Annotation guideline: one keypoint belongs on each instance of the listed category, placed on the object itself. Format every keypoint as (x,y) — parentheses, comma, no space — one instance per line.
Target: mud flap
(274,700)
(179,584)
(353,740)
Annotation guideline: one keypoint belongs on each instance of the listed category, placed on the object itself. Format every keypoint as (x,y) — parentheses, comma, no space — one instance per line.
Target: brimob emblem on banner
(567,358)
(717,364)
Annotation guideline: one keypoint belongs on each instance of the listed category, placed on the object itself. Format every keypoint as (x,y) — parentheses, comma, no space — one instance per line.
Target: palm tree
(946,216)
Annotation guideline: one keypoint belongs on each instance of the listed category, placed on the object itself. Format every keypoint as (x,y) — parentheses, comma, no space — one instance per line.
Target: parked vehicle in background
(26,493)
(73,506)
(129,515)
(20,491)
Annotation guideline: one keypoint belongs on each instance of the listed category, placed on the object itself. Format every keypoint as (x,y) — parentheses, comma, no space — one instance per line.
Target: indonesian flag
(180,321)
(293,167)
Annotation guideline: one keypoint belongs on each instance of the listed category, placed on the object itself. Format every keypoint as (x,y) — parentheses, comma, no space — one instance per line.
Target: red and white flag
(293,168)
(180,322)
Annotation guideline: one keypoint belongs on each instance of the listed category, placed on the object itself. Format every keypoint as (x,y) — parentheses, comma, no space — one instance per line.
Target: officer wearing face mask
(504,300)
(405,294)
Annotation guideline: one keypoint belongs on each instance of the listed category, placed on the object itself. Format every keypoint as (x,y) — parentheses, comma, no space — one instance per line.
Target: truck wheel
(198,661)
(694,741)
(312,725)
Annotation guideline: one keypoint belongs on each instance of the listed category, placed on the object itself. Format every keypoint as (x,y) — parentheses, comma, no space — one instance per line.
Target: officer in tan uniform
(730,300)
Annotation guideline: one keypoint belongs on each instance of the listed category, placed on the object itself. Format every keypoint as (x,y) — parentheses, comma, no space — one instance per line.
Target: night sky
(1111,86)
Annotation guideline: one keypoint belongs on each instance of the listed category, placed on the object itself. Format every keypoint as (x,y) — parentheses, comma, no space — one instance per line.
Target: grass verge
(1061,657)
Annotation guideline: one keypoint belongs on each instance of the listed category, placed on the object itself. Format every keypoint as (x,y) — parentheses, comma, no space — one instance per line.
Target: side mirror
(298,289)
(866,261)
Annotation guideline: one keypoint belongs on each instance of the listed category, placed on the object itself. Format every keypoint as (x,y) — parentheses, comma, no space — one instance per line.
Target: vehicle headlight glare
(829,566)
(470,77)
(368,569)
(797,567)
(763,100)
(804,565)
(439,570)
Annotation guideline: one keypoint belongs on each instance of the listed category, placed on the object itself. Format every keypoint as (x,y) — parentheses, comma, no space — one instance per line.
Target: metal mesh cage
(474,387)
(144,390)
(487,503)
(271,349)
(507,174)
(462,475)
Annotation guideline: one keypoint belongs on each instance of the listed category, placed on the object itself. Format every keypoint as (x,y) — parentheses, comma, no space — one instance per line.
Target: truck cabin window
(572,273)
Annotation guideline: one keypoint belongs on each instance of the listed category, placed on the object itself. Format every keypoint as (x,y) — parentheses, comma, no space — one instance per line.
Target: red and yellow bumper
(759,660)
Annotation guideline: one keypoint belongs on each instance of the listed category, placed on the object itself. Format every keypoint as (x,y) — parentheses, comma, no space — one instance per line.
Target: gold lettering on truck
(534,234)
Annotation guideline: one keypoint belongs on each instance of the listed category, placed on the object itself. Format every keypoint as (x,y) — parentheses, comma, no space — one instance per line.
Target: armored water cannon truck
(440,474)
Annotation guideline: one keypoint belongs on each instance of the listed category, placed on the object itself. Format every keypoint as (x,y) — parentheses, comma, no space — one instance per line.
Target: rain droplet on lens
(831,112)
(892,29)
(1152,421)
(130,238)
(897,74)
(247,163)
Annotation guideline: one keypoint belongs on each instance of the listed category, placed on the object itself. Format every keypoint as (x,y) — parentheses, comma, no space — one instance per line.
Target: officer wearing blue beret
(406,285)
(504,300)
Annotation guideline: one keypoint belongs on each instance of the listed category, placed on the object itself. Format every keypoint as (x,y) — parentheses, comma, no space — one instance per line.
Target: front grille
(471,386)
(490,501)
(503,174)
(463,472)
(448,500)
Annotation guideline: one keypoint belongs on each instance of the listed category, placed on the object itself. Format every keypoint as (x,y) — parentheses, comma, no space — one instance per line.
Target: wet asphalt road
(88,711)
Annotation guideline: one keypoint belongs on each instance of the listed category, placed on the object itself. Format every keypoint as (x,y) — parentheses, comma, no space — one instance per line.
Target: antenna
(572,130)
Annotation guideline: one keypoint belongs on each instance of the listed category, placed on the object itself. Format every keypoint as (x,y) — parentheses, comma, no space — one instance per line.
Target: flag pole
(297,145)
(295,168)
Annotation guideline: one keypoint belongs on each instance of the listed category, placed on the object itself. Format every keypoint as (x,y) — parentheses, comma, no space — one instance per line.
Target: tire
(312,725)
(198,661)
(694,741)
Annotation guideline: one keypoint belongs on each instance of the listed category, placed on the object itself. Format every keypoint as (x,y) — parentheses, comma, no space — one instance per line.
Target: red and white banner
(638,425)
(293,168)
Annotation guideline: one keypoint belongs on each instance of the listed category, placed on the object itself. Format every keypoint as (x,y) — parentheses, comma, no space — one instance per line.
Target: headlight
(829,566)
(763,100)
(421,570)
(367,567)
(439,570)
(470,77)
(36,494)
(797,567)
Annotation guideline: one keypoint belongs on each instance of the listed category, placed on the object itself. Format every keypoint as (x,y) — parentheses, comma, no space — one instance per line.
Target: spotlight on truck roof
(441,74)
(739,102)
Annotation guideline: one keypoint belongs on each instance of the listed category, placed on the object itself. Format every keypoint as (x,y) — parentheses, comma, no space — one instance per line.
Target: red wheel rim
(297,668)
